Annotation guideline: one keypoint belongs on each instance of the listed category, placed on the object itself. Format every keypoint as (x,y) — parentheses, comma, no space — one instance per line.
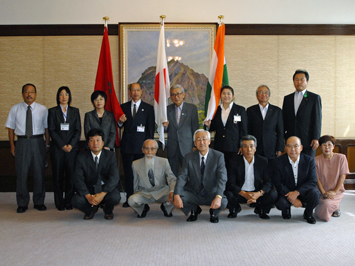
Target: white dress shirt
(17,118)
(298,99)
(137,105)
(295,168)
(249,176)
(225,112)
(264,110)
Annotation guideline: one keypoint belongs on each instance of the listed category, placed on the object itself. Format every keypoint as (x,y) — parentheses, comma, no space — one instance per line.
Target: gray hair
(176,87)
(156,143)
(202,130)
(248,137)
(265,87)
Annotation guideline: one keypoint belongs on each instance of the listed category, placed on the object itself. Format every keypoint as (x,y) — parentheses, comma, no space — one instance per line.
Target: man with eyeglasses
(153,182)
(138,121)
(295,179)
(265,123)
(302,113)
(181,125)
(202,180)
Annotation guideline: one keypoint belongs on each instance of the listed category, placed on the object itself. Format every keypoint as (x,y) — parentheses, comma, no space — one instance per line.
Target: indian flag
(218,75)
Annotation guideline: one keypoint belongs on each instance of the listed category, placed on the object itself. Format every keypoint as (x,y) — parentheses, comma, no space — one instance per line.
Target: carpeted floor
(64,238)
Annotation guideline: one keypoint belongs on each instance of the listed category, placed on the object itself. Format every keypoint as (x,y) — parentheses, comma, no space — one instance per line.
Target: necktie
(151,177)
(202,169)
(134,110)
(98,187)
(29,131)
(178,114)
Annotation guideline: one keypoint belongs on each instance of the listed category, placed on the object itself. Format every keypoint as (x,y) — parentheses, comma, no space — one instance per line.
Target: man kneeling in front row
(202,180)
(153,181)
(249,181)
(96,178)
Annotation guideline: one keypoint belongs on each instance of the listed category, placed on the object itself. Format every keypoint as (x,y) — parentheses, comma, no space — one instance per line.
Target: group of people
(247,164)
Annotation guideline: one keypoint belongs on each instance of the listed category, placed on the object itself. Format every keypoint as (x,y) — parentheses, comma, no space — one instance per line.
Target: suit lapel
(90,162)
(268,113)
(143,173)
(59,114)
(231,115)
(183,114)
(173,116)
(241,172)
(197,167)
(301,169)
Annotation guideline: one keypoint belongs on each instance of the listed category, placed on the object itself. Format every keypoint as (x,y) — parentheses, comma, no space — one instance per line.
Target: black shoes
(194,214)
(213,216)
(125,205)
(21,209)
(92,214)
(233,212)
(41,207)
(69,207)
(108,216)
(309,219)
(162,207)
(145,211)
(263,215)
(286,214)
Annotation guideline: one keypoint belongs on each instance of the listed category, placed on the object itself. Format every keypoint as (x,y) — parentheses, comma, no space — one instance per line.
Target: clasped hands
(329,194)
(95,199)
(216,203)
(292,198)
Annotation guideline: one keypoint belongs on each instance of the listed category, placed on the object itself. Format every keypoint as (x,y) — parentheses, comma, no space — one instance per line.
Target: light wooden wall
(53,61)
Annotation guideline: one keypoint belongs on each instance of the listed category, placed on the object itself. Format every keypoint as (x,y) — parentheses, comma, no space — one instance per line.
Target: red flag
(162,87)
(104,81)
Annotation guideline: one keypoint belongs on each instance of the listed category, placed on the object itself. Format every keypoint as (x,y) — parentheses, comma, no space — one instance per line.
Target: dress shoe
(125,205)
(69,207)
(108,216)
(61,208)
(162,207)
(234,212)
(309,219)
(194,214)
(21,209)
(92,214)
(286,214)
(213,216)
(145,211)
(263,215)
(40,207)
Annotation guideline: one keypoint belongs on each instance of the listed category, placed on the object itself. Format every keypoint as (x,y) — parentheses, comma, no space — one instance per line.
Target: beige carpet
(64,238)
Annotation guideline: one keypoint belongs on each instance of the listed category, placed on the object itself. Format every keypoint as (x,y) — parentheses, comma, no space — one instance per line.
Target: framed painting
(189,50)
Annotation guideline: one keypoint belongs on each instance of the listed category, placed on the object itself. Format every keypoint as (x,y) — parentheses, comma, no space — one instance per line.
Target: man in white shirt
(295,179)
(28,120)
(153,182)
(249,181)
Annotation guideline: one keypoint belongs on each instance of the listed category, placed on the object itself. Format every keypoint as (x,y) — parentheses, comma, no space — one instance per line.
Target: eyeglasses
(263,92)
(149,149)
(293,146)
(176,94)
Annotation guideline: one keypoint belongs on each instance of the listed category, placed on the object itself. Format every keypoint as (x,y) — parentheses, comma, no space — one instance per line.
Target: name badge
(64,126)
(237,118)
(140,128)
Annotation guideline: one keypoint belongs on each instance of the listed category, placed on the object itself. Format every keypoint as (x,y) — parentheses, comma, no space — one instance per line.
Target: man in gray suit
(202,180)
(181,125)
(153,181)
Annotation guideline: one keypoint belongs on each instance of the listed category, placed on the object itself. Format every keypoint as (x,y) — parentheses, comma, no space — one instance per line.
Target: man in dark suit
(265,123)
(139,124)
(202,180)
(302,114)
(249,181)
(295,179)
(96,178)
(181,125)
(64,127)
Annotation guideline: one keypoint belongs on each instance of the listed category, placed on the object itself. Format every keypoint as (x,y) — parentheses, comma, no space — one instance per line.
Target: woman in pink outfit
(332,169)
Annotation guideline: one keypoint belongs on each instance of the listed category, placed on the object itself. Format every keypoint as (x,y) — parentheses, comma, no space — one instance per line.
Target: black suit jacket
(284,179)
(108,126)
(132,141)
(214,177)
(307,124)
(227,137)
(269,133)
(236,174)
(60,138)
(85,177)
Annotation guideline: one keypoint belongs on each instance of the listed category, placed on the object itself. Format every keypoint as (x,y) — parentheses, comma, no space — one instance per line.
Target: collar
(98,156)
(137,103)
(303,92)
(229,107)
(246,162)
(262,108)
(180,107)
(296,162)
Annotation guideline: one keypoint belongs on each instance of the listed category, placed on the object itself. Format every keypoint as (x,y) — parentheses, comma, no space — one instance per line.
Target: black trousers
(309,201)
(264,202)
(30,154)
(63,167)
(127,159)
(110,200)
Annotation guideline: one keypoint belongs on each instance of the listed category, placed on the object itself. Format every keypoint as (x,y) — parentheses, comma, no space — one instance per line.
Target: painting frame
(127,29)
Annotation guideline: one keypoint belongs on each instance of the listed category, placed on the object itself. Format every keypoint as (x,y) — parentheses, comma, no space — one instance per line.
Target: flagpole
(162,19)
(106,19)
(221,17)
